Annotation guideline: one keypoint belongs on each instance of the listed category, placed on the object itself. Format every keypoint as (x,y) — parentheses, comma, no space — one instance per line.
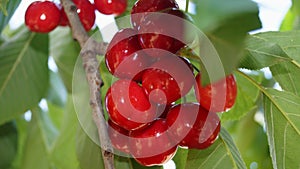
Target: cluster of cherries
(148,115)
(45,16)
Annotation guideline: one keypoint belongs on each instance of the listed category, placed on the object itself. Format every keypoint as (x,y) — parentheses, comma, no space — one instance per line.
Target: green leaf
(226,23)
(35,152)
(247,96)
(24,73)
(8,8)
(57,93)
(65,52)
(222,154)
(123,20)
(282,118)
(251,140)
(260,53)
(63,152)
(8,144)
(287,75)
(180,158)
(291,20)
(3,4)
(88,152)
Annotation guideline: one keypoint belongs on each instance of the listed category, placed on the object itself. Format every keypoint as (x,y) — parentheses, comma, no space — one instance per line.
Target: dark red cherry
(193,126)
(219,96)
(142,7)
(86,13)
(42,16)
(169,79)
(118,137)
(111,6)
(128,106)
(151,145)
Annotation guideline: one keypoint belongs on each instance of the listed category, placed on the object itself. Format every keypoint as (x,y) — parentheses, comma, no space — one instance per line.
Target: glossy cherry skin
(111,6)
(86,13)
(142,7)
(152,145)
(164,30)
(118,137)
(169,79)
(193,126)
(42,16)
(128,106)
(219,96)
(124,58)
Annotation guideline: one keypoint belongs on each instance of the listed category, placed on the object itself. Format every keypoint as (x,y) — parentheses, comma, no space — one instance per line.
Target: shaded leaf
(226,23)
(65,52)
(251,140)
(63,151)
(8,144)
(35,152)
(222,154)
(57,93)
(23,73)
(282,118)
(7,11)
(88,152)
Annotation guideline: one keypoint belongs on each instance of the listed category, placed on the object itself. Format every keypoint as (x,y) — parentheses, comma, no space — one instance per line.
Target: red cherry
(163,31)
(111,6)
(142,7)
(168,80)
(128,106)
(219,96)
(42,16)
(124,58)
(118,137)
(152,145)
(193,126)
(86,13)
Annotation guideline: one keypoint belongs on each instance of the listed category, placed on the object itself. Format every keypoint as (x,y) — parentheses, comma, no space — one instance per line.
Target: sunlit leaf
(283,127)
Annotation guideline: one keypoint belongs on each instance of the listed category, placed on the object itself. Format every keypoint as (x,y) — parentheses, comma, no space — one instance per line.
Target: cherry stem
(187,2)
(89,49)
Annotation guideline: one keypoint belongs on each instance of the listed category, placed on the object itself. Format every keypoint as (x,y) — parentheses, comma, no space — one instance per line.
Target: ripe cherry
(118,137)
(111,6)
(128,106)
(42,16)
(164,30)
(219,96)
(193,126)
(167,80)
(151,145)
(124,58)
(142,7)
(85,11)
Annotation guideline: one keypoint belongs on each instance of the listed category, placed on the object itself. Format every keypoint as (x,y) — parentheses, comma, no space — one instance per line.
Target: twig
(90,63)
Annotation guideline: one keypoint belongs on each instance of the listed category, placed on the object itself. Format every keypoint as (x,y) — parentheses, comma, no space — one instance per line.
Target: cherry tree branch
(90,48)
